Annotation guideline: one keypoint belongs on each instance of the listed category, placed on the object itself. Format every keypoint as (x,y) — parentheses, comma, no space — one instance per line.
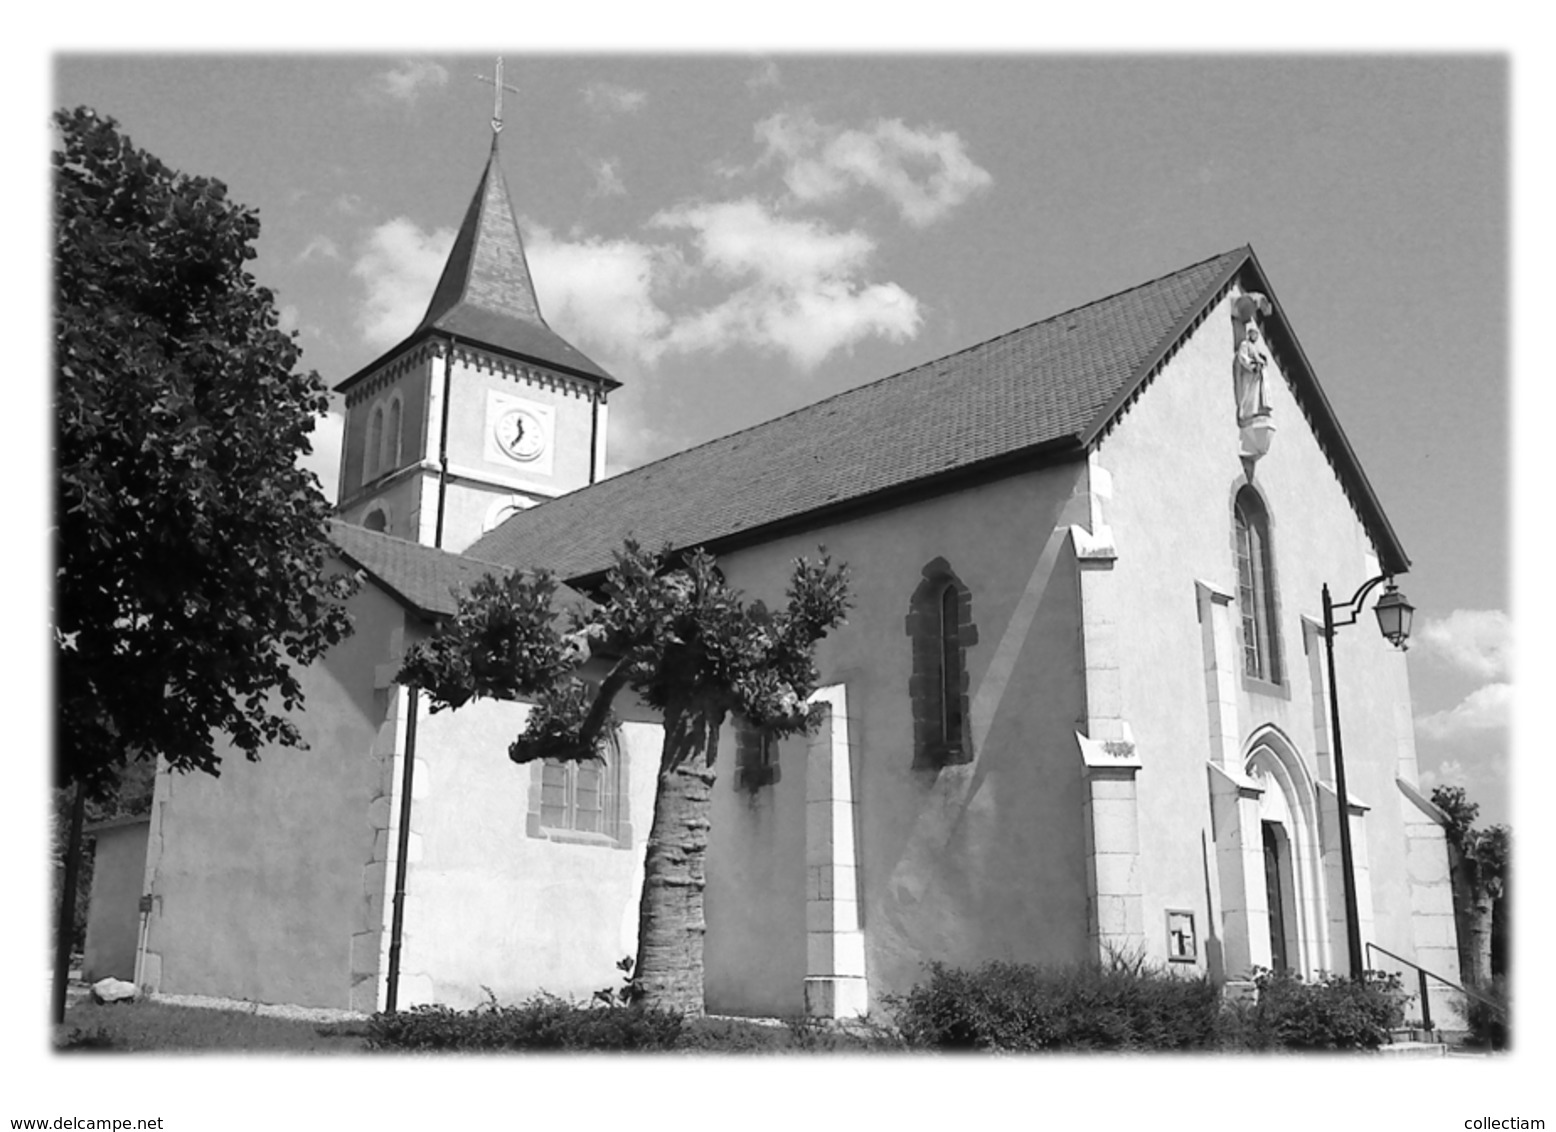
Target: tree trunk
(1472,910)
(65,926)
(1479,973)
(668,972)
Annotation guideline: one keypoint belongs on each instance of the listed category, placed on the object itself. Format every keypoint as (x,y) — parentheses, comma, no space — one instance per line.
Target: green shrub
(1488,1021)
(1011,1006)
(544,1022)
(1330,1013)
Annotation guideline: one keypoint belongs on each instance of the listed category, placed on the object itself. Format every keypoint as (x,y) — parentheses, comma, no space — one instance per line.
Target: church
(1079,708)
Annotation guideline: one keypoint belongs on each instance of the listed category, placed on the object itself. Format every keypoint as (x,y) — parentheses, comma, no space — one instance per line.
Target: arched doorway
(1293,877)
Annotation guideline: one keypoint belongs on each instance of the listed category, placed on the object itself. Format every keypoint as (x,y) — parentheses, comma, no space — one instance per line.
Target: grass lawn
(138,1027)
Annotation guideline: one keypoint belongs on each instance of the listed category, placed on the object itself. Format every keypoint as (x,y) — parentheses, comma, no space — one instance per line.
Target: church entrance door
(1275,889)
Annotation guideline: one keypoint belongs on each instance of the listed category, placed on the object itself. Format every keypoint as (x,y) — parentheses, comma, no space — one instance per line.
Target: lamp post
(1394,614)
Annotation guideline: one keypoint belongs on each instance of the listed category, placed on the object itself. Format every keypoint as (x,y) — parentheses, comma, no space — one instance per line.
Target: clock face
(520,434)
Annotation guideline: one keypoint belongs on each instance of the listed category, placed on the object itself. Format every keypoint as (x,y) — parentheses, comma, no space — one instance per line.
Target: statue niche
(1251,376)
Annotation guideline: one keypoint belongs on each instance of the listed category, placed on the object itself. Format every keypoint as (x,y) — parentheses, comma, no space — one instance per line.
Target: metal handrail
(1421,974)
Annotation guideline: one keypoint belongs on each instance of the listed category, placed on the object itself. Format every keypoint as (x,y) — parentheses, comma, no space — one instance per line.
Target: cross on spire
(497,103)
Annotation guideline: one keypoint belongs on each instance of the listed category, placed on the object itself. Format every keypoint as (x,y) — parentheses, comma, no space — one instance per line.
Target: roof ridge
(337,521)
(904,373)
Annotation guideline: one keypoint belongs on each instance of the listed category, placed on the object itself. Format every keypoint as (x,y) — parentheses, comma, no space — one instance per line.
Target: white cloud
(1485,709)
(288,318)
(398,266)
(1477,641)
(607,179)
(1450,772)
(798,285)
(411,79)
(611,98)
(324,461)
(765,75)
(320,247)
(795,287)
(602,291)
(925,173)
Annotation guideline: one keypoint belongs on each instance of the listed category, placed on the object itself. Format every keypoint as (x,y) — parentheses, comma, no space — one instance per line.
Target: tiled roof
(422,577)
(1052,387)
(486,296)
(1031,387)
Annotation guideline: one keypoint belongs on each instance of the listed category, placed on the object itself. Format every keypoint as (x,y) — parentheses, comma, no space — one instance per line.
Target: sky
(735,236)
(709,177)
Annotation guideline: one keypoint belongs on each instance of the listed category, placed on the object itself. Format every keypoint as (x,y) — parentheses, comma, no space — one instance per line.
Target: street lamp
(1394,614)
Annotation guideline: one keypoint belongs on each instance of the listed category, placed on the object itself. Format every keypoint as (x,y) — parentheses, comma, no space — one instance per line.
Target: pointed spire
(486,295)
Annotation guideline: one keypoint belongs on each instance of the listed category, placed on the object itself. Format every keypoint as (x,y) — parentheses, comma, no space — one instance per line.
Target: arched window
(941,628)
(951,666)
(377,520)
(582,801)
(392,437)
(373,451)
(1256,588)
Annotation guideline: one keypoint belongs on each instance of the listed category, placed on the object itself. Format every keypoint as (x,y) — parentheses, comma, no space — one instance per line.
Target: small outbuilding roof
(422,577)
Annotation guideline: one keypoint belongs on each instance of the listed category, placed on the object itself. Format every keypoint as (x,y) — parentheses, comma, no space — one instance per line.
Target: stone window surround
(931,750)
(1193,955)
(616,772)
(1280,687)
(756,757)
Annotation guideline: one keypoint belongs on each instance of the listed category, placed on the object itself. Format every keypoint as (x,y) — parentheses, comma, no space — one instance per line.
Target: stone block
(836,996)
(1104,692)
(834,953)
(831,916)
(1114,826)
(1434,931)
(1118,874)
(364,995)
(421,785)
(830,883)
(1110,788)
(375,878)
(1120,916)
(829,837)
(365,952)
(379,812)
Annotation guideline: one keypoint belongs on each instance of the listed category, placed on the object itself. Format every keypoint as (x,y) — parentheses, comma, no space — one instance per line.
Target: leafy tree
(694,650)
(190,552)
(1481,861)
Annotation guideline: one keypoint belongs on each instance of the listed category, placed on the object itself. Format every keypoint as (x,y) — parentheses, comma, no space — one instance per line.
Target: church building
(1079,708)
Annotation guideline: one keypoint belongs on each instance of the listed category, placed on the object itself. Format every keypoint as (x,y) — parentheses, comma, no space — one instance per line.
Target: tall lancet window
(951,667)
(373,450)
(1256,588)
(392,438)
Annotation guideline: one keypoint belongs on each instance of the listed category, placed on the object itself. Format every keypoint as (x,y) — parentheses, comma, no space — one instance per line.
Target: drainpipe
(402,850)
(594,431)
(407,778)
(448,370)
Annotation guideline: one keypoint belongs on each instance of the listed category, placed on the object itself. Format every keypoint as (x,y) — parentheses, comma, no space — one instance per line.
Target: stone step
(1415,1049)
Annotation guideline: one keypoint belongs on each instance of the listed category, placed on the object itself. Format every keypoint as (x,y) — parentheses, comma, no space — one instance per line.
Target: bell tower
(483,410)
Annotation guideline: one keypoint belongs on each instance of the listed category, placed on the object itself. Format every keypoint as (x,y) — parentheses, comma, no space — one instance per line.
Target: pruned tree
(190,572)
(694,650)
(1480,860)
